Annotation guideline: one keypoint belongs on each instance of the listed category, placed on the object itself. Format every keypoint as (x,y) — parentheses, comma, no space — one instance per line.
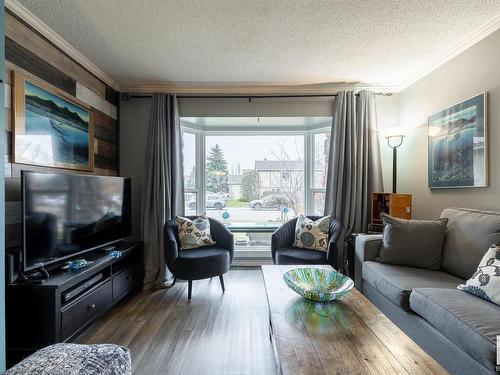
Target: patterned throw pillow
(485,283)
(312,234)
(194,233)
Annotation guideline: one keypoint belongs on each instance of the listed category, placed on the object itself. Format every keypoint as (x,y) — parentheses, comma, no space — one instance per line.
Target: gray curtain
(354,169)
(162,186)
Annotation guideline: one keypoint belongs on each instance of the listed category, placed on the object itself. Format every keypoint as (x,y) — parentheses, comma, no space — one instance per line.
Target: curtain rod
(126,96)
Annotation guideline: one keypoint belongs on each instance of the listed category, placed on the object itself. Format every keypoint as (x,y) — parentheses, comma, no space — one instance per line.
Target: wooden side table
(397,205)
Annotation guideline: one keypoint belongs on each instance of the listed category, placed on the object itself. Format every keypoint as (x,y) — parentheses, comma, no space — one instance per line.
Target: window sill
(236,228)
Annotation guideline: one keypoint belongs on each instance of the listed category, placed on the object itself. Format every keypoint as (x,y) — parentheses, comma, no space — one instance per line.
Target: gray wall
(472,72)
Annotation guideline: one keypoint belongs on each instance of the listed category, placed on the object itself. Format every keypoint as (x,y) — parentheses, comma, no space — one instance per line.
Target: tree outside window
(216,167)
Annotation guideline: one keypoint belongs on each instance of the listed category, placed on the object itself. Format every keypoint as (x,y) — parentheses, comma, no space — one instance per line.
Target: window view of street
(254,180)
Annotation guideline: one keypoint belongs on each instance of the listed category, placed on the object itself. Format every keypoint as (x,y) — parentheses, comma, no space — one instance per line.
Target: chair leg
(221,278)
(190,288)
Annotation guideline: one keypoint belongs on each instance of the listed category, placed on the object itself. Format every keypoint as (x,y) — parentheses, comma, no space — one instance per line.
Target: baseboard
(251,262)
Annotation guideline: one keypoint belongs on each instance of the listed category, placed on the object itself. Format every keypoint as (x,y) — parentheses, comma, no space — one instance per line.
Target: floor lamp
(394,141)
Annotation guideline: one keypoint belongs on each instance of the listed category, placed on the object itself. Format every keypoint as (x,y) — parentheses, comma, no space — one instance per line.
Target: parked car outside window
(215,201)
(270,202)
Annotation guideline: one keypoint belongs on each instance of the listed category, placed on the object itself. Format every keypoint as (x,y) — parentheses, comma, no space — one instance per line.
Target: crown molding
(254,89)
(24,14)
(487,29)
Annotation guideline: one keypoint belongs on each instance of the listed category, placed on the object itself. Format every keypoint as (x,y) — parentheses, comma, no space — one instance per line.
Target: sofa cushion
(294,255)
(413,243)
(76,359)
(397,282)
(469,322)
(470,234)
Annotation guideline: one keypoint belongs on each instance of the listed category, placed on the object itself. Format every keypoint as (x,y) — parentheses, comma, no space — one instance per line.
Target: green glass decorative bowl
(318,284)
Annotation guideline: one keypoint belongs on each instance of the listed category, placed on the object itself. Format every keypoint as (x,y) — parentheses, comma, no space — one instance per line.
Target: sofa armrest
(367,248)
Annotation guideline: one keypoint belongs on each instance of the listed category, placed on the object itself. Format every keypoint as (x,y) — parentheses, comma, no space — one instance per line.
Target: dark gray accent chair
(284,252)
(456,328)
(200,263)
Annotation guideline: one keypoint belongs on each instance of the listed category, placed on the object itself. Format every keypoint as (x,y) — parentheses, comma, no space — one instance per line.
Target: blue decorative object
(318,284)
(286,210)
(115,254)
(226,215)
(77,264)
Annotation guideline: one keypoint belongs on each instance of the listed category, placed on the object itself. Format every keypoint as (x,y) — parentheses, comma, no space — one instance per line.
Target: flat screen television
(65,215)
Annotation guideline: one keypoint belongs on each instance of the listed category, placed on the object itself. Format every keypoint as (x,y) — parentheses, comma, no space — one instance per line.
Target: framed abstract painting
(51,128)
(458,145)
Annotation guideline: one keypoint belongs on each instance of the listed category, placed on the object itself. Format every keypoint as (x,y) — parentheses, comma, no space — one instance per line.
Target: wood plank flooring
(214,333)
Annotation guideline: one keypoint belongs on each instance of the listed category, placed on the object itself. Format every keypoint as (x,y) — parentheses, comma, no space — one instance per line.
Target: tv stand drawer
(124,282)
(86,309)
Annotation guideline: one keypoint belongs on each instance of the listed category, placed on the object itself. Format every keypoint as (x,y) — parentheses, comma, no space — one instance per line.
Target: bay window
(253,177)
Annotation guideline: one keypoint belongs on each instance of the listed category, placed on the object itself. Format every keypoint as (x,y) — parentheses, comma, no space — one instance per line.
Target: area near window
(253,174)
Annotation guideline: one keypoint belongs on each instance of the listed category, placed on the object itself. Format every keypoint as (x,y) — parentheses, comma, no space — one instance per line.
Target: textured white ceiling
(377,42)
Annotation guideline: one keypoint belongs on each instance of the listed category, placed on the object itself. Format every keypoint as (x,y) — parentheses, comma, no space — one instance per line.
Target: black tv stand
(58,307)
(39,276)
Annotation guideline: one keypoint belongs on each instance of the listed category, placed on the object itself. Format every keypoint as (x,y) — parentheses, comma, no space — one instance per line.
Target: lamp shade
(394,131)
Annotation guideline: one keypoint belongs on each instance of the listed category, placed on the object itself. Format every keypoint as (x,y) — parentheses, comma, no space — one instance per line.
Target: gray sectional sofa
(456,328)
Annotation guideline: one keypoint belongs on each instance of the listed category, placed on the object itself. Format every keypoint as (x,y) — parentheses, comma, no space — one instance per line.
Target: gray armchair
(283,251)
(199,263)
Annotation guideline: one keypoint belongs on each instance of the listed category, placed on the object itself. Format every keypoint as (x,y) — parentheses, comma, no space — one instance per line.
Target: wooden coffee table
(349,336)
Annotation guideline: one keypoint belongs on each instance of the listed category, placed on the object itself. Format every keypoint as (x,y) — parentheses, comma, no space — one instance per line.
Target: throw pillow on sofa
(194,233)
(312,234)
(413,243)
(485,283)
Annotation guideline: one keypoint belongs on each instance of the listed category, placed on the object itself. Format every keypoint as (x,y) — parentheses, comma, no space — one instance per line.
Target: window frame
(198,176)
(312,187)
(309,155)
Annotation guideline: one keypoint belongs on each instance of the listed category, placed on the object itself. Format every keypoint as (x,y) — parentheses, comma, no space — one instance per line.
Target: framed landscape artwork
(458,145)
(51,128)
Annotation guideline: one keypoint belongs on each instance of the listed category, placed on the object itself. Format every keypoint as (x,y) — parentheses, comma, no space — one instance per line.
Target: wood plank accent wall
(28,52)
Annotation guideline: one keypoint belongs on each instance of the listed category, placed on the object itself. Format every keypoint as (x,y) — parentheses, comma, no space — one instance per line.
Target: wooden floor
(214,333)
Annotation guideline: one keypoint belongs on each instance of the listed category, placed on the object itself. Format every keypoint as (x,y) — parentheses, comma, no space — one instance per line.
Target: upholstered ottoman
(75,359)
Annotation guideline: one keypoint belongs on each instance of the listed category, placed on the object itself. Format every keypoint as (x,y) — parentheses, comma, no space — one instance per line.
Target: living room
(250,187)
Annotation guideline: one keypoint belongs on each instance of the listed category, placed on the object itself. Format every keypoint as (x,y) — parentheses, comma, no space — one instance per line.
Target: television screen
(65,215)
